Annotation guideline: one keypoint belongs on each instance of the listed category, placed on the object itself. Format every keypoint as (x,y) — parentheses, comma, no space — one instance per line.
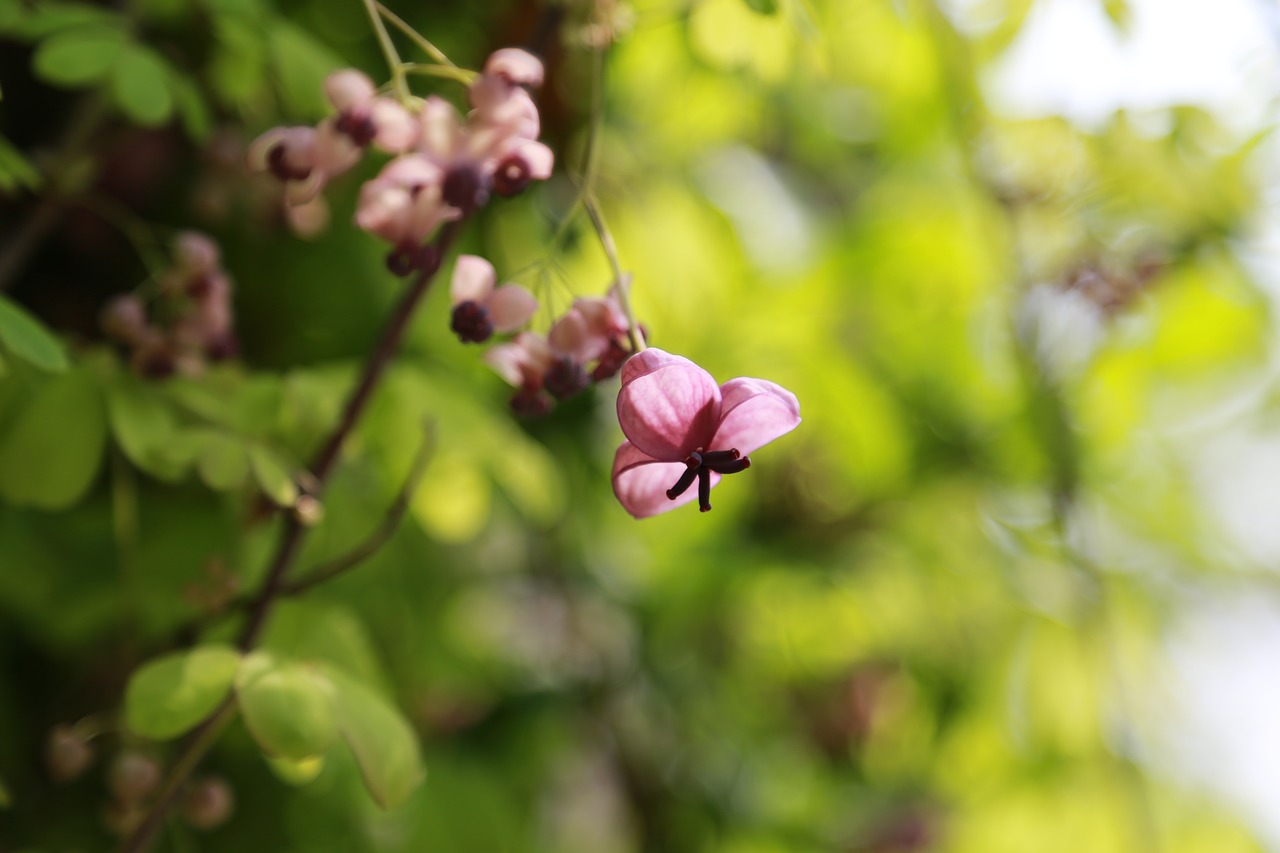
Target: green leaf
(16,171)
(383,743)
(287,707)
(192,108)
(300,63)
(50,17)
(145,426)
(28,339)
(296,772)
(764,7)
(140,85)
(169,696)
(79,56)
(51,453)
(273,476)
(223,464)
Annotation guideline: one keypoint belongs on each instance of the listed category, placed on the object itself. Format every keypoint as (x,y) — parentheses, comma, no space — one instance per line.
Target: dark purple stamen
(564,378)
(471,323)
(699,466)
(464,188)
(281,168)
(511,176)
(408,257)
(360,128)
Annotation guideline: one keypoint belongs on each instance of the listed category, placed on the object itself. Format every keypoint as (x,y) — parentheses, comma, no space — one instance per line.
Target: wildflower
(681,427)
(479,308)
(524,363)
(403,205)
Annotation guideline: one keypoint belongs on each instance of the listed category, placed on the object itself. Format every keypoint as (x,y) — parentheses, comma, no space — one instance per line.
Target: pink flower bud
(133,776)
(67,754)
(209,803)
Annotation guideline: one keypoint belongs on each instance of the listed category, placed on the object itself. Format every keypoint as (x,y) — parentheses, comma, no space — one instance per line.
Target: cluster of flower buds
(187,324)
(447,165)
(587,344)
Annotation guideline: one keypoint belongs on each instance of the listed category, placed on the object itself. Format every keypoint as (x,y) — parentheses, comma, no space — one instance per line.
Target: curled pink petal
(335,151)
(473,280)
(668,406)
(515,66)
(303,191)
(522,362)
(296,146)
(640,482)
(753,413)
(510,307)
(539,158)
(348,89)
(440,132)
(569,335)
(397,127)
(310,218)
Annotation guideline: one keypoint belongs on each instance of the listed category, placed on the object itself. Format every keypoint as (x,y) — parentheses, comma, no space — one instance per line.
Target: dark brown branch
(274,585)
(366,549)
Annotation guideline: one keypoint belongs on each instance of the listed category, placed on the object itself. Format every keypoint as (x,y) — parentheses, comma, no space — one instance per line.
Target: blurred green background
(934,617)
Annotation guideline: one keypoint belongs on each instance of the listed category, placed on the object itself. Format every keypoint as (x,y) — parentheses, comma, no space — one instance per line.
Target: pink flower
(364,117)
(524,363)
(480,308)
(681,427)
(403,206)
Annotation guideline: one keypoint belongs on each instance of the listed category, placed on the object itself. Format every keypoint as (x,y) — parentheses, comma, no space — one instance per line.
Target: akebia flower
(682,428)
(480,308)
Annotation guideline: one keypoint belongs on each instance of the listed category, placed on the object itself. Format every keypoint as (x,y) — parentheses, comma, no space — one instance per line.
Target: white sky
(1222,670)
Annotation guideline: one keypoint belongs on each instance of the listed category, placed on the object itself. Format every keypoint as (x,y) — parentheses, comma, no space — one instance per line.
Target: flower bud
(133,776)
(124,317)
(209,803)
(67,754)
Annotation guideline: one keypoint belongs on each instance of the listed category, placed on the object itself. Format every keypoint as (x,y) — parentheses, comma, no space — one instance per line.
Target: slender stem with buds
(275,584)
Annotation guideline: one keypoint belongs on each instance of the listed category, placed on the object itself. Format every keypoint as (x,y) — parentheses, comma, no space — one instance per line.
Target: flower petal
(540,159)
(473,280)
(568,335)
(515,66)
(668,406)
(348,89)
(754,413)
(510,307)
(640,482)
(309,218)
(397,127)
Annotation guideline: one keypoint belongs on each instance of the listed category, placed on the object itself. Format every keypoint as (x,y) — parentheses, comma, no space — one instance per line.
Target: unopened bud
(124,317)
(123,818)
(133,776)
(308,510)
(67,754)
(209,803)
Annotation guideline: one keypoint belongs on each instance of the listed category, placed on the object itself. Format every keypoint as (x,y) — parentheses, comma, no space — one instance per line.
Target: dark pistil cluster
(471,323)
(700,464)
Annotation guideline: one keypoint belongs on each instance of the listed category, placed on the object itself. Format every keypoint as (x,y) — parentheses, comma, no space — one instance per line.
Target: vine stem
(389,52)
(416,37)
(203,736)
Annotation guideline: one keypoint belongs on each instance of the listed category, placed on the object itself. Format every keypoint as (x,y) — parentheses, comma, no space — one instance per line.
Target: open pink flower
(480,308)
(681,427)
(524,363)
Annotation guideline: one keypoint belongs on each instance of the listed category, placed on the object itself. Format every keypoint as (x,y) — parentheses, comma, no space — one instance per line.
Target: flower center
(358,126)
(471,323)
(699,466)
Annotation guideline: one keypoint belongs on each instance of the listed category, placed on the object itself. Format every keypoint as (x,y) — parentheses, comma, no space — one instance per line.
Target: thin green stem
(389,52)
(459,75)
(417,38)
(620,280)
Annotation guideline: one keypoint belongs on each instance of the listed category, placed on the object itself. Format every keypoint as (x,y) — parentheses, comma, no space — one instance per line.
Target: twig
(366,549)
(416,37)
(274,585)
(624,287)
(389,52)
